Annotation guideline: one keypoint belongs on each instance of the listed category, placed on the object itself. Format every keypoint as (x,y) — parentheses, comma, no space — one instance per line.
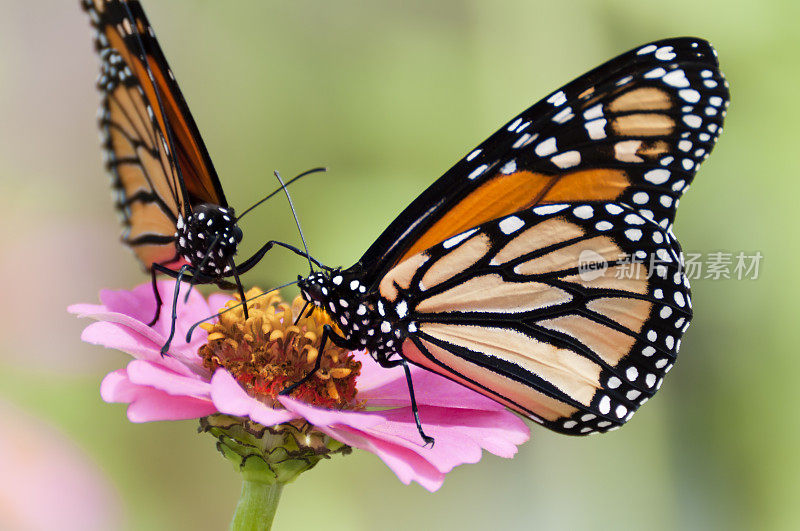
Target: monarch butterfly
(542,270)
(174,213)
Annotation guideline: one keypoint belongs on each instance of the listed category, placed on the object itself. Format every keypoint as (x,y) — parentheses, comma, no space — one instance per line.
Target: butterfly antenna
(308,172)
(226,310)
(296,221)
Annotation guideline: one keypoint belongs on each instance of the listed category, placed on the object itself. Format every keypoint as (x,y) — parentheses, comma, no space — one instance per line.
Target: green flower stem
(257,505)
(267,458)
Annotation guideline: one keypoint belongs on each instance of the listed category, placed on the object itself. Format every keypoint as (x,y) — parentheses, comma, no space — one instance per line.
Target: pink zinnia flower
(352,399)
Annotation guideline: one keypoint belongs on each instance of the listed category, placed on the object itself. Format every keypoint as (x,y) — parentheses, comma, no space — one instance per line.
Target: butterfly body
(541,270)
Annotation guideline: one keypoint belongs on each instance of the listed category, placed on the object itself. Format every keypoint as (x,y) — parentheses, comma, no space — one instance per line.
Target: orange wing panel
(505,194)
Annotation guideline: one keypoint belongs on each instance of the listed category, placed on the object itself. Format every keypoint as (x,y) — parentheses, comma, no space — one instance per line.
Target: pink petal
(129,340)
(460,434)
(229,397)
(373,375)
(149,404)
(152,405)
(407,465)
(136,337)
(137,303)
(136,308)
(189,313)
(153,375)
(140,303)
(329,417)
(430,389)
(116,387)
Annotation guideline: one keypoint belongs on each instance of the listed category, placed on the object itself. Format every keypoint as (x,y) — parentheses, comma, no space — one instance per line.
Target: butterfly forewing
(159,164)
(633,131)
(570,314)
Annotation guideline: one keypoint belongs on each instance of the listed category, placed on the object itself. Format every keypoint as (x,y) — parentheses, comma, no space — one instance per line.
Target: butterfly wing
(160,167)
(568,313)
(541,270)
(633,131)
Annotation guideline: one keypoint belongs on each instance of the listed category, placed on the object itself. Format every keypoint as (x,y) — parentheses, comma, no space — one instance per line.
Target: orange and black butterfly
(173,210)
(541,270)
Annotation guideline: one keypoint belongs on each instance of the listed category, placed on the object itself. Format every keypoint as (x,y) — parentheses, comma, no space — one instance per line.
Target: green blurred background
(389,95)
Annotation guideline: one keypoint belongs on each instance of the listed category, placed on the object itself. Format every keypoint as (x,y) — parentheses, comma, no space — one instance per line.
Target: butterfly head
(209,238)
(336,291)
(317,288)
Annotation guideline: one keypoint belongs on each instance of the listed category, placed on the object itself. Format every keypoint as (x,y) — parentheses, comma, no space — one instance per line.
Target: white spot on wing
(665,53)
(546,147)
(473,155)
(655,73)
(559,98)
(458,238)
(676,78)
(509,167)
(596,128)
(583,212)
(647,49)
(605,405)
(402,309)
(478,171)
(548,209)
(689,95)
(511,224)
(593,112)
(692,120)
(564,115)
(567,159)
(521,141)
(657,176)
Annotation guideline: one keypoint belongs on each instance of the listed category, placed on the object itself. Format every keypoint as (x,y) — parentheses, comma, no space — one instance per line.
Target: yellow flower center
(268,352)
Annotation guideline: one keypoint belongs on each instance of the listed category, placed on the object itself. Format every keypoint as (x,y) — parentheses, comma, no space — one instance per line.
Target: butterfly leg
(327,334)
(179,278)
(258,255)
(159,303)
(240,288)
(389,364)
(154,270)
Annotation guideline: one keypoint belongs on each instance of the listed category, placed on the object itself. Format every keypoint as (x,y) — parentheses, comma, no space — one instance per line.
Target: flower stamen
(268,352)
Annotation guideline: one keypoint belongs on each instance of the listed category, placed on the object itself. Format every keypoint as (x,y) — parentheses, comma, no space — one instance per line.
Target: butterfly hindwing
(633,131)
(568,313)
